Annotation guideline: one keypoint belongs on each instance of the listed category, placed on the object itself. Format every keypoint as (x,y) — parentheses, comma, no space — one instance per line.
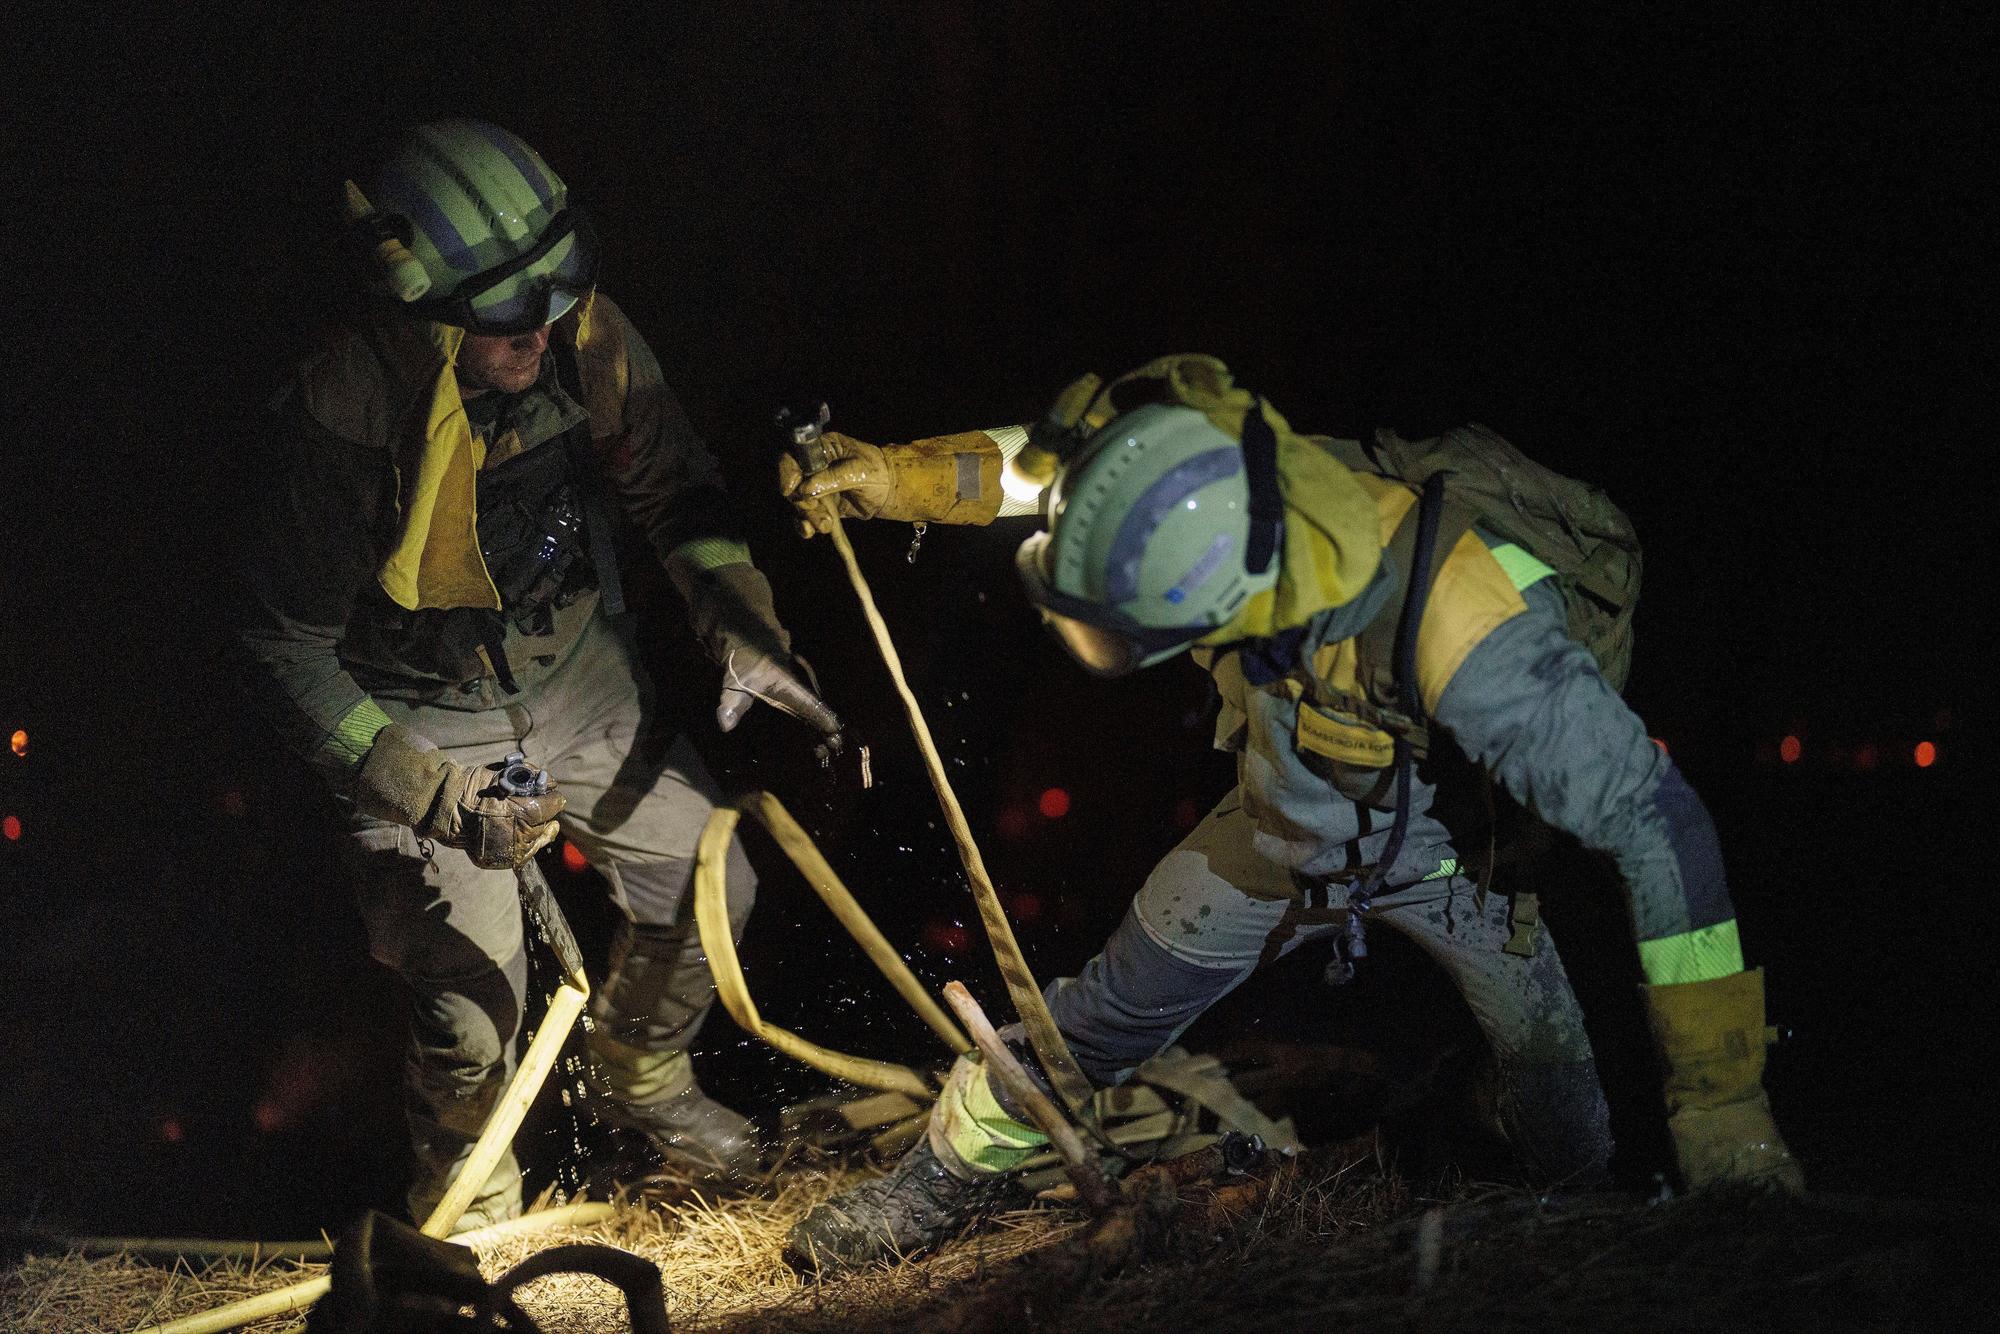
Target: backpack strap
(590,487)
(636,1278)
(1379,675)
(1429,511)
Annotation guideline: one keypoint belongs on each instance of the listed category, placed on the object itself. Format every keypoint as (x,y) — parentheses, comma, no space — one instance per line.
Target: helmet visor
(1105,642)
(1098,651)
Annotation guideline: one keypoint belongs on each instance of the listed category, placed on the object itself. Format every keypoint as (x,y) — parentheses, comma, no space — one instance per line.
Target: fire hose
(1057,1061)
(566,1005)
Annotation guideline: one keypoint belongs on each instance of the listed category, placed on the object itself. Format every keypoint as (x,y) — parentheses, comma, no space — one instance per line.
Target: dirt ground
(1331,1240)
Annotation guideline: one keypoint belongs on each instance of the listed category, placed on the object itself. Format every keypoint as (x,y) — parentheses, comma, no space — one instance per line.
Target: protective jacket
(1507,691)
(366,574)
(1504,689)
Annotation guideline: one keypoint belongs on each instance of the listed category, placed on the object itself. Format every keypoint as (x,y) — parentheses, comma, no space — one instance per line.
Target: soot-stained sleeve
(661,471)
(1529,704)
(310,542)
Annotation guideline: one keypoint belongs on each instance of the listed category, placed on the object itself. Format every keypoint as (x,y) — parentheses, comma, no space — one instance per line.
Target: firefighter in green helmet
(1186,516)
(431,584)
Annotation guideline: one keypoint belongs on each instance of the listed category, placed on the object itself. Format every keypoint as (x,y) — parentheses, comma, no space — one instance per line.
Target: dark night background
(1720,261)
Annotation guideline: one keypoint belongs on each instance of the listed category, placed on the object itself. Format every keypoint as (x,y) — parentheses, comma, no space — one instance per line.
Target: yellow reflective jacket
(361,569)
(395,386)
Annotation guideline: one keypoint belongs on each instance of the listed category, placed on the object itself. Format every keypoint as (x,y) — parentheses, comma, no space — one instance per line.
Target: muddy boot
(919,1205)
(1711,1035)
(950,1178)
(647,1013)
(655,1093)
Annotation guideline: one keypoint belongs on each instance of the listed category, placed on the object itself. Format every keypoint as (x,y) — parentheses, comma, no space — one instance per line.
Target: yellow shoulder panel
(602,362)
(1470,598)
(1392,500)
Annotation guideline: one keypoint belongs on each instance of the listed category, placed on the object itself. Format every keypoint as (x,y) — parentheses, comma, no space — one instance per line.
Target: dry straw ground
(1334,1242)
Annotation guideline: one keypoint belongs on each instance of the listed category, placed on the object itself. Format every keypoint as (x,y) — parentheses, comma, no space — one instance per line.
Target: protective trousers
(1213,910)
(638,797)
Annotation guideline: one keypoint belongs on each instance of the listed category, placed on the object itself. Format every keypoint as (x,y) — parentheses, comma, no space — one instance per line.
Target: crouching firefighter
(430,585)
(1354,624)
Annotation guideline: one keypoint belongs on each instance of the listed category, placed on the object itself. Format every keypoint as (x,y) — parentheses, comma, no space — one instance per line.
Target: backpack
(1568,525)
(1470,476)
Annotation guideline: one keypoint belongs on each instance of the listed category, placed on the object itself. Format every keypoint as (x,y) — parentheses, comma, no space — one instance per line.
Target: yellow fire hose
(1058,1063)
(711,915)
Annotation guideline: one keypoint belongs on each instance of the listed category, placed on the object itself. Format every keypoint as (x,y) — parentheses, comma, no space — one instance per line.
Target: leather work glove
(748,676)
(404,778)
(946,479)
(730,611)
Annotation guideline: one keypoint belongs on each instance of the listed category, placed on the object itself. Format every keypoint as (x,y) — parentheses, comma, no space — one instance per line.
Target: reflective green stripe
(354,733)
(1446,868)
(708,553)
(1522,569)
(1692,956)
(977,1128)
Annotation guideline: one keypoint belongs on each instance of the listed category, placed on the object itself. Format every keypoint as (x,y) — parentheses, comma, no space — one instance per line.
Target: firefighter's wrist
(402,778)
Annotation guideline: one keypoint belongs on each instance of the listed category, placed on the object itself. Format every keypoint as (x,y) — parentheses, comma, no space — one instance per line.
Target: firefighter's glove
(947,479)
(858,483)
(748,676)
(404,778)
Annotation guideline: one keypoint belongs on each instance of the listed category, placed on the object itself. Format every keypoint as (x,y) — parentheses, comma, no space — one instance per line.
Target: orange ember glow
(946,937)
(11,828)
(20,741)
(1926,754)
(573,859)
(1790,749)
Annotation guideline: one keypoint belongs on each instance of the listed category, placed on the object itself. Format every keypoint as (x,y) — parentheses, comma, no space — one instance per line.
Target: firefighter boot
(920,1204)
(655,1093)
(657,994)
(948,1180)
(1711,1038)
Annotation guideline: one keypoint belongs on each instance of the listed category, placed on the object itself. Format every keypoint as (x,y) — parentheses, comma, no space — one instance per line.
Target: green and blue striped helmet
(1160,530)
(489,222)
